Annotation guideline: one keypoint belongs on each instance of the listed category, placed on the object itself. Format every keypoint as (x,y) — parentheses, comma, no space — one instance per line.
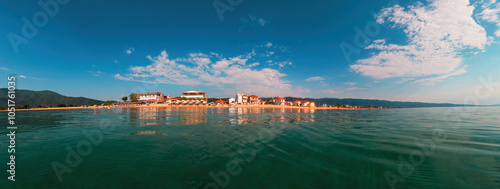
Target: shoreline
(189,106)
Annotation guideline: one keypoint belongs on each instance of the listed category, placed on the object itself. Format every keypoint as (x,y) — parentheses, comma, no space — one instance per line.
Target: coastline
(190,106)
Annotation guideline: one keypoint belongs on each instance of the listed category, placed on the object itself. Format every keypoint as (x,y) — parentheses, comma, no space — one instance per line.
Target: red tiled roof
(280,98)
(254,96)
(220,101)
(174,98)
(244,95)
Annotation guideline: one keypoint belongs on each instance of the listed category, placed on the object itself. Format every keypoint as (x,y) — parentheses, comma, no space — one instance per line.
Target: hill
(34,98)
(371,102)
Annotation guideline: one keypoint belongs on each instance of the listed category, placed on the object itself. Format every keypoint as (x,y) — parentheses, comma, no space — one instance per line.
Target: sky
(423,51)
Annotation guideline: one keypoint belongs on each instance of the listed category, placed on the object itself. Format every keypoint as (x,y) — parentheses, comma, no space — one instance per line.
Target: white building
(194,95)
(154,97)
(280,101)
(245,99)
(232,101)
(239,98)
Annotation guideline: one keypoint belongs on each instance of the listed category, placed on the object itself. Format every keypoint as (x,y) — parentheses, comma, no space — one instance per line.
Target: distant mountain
(494,105)
(366,102)
(34,98)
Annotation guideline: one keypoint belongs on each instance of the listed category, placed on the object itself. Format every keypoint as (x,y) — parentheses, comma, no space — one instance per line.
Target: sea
(201,147)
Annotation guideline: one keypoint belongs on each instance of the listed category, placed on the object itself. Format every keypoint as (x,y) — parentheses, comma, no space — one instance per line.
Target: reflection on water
(227,116)
(170,147)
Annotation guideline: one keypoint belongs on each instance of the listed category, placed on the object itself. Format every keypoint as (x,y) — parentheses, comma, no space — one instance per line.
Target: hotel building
(191,95)
(152,97)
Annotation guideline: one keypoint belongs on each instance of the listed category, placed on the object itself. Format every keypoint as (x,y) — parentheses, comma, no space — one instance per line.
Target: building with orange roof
(296,103)
(221,102)
(280,101)
(254,99)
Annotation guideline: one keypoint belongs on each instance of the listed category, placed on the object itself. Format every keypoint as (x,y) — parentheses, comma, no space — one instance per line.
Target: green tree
(108,102)
(125,98)
(133,97)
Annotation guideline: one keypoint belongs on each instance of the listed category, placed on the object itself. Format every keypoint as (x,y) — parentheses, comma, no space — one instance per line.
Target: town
(200,98)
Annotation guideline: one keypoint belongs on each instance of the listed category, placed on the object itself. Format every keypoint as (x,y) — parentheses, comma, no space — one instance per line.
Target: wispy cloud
(350,83)
(284,63)
(353,88)
(315,79)
(438,33)
(207,69)
(431,81)
(36,78)
(2,68)
(26,77)
(129,51)
(491,13)
(252,21)
(330,92)
(96,73)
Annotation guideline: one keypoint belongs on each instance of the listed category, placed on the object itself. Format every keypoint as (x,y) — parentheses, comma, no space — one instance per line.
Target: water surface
(257,148)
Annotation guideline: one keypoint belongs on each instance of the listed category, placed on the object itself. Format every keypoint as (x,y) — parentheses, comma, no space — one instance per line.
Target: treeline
(44,98)
(27,106)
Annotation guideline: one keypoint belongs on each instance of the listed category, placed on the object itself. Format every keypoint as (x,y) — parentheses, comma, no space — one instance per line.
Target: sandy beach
(191,106)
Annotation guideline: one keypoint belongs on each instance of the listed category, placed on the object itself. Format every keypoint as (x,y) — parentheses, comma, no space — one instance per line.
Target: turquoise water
(256,148)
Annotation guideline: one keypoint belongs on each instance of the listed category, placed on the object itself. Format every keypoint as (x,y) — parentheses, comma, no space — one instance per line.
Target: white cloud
(437,34)
(254,64)
(201,69)
(431,81)
(116,61)
(22,76)
(353,88)
(285,63)
(252,21)
(350,83)
(315,79)
(96,73)
(269,53)
(120,77)
(129,51)
(2,68)
(39,79)
(330,92)
(491,13)
(269,44)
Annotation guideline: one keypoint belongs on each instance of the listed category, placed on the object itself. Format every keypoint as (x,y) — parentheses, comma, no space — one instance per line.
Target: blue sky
(430,51)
